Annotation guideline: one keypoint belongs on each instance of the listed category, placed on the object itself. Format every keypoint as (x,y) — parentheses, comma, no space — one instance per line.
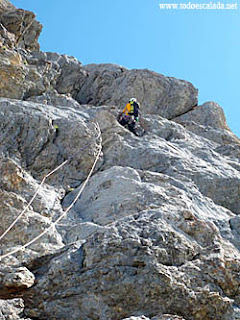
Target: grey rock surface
(208,114)
(12,309)
(31,74)
(30,226)
(61,72)
(22,24)
(6,5)
(43,136)
(130,263)
(208,120)
(146,217)
(155,233)
(6,38)
(12,72)
(28,136)
(176,152)
(160,317)
(154,200)
(15,279)
(114,85)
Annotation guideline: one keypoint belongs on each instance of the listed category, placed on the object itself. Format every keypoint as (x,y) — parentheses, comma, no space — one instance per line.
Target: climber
(132,108)
(129,115)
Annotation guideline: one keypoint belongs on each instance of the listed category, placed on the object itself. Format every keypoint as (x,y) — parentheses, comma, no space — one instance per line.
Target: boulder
(208,121)
(208,114)
(109,84)
(16,278)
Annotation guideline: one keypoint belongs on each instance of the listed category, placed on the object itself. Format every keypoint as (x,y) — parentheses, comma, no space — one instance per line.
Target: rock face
(12,309)
(113,85)
(209,114)
(27,75)
(5,5)
(208,121)
(17,187)
(19,31)
(162,317)
(155,232)
(13,74)
(20,27)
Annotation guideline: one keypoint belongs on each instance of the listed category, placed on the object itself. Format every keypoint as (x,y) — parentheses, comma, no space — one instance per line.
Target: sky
(200,46)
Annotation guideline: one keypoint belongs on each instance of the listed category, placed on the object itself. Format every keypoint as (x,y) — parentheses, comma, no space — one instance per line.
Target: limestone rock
(31,74)
(17,188)
(12,309)
(5,5)
(6,38)
(105,187)
(167,317)
(18,278)
(160,317)
(12,72)
(137,318)
(19,80)
(208,114)
(61,72)
(28,227)
(74,230)
(20,141)
(208,120)
(22,24)
(130,262)
(43,137)
(152,239)
(155,233)
(113,85)
(18,181)
(103,201)
(168,146)
(61,101)
(231,152)
(145,231)
(72,75)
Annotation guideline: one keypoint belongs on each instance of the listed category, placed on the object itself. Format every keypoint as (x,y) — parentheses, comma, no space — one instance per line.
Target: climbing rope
(99,147)
(43,181)
(32,199)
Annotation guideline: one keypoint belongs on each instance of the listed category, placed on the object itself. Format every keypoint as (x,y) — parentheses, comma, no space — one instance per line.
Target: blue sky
(200,46)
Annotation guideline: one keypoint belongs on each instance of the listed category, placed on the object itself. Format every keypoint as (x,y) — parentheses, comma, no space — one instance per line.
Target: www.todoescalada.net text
(198,6)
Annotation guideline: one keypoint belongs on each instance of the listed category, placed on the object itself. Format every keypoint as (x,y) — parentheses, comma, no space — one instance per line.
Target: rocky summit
(133,228)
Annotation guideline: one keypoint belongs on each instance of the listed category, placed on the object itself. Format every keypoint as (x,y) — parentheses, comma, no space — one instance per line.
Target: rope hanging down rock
(99,147)
(32,199)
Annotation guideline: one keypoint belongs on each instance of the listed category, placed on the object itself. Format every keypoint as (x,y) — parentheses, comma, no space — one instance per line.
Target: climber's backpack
(135,109)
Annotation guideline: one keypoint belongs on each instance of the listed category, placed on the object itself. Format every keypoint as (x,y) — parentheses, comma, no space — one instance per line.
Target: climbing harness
(131,124)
